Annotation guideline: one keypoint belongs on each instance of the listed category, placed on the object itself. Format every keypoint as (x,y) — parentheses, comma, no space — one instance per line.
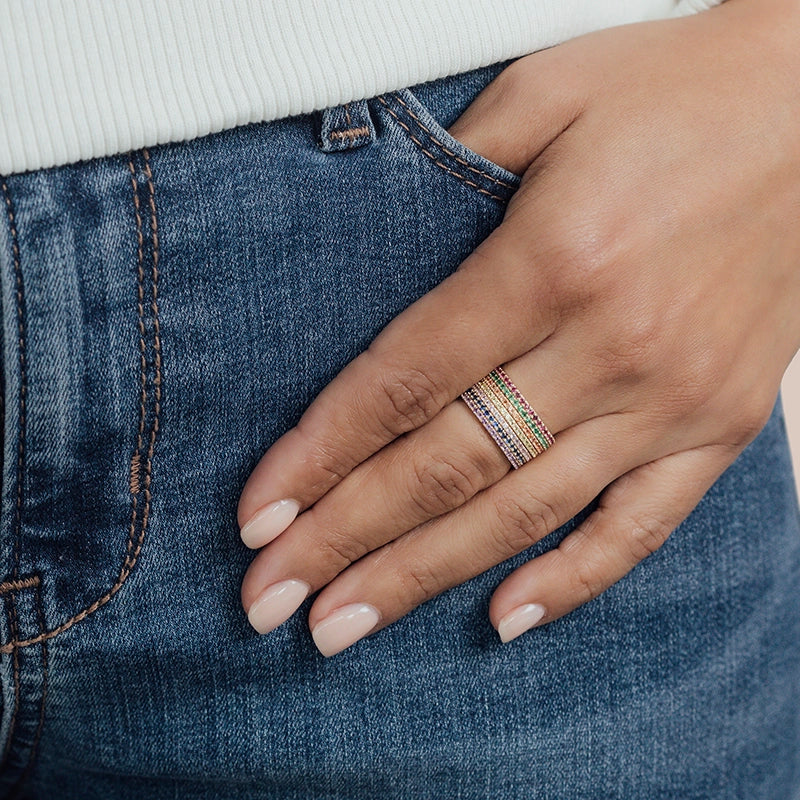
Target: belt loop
(345,127)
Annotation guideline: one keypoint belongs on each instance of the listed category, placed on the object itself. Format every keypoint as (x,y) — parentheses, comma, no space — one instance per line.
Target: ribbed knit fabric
(87,78)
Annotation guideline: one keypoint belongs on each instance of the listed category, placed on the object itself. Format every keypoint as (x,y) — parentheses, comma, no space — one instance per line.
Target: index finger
(480,316)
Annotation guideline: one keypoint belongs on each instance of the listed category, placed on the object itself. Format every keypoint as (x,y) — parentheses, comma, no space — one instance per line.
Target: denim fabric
(168,314)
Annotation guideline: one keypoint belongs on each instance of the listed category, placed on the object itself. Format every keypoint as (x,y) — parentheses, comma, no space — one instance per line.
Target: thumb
(523,110)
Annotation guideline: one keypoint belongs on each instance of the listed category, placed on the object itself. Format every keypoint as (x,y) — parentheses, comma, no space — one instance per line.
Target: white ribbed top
(87,78)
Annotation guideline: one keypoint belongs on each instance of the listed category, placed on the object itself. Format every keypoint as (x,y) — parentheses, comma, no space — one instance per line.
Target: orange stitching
(347,115)
(15,586)
(135,543)
(450,152)
(157,348)
(135,484)
(134,479)
(436,161)
(349,134)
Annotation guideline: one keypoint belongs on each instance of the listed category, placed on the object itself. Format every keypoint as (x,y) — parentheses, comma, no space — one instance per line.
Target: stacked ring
(508,417)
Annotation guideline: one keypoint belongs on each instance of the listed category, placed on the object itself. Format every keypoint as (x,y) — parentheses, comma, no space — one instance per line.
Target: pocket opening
(420,126)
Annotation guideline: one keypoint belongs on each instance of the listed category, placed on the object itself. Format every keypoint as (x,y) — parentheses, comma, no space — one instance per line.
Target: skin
(641,291)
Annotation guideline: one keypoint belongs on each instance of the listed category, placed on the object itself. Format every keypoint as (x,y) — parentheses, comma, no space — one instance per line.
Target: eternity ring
(508,417)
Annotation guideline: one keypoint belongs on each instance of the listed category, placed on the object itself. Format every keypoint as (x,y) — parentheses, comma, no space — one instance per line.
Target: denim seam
(9,587)
(43,696)
(15,659)
(13,621)
(29,583)
(137,485)
(135,467)
(449,152)
(23,382)
(435,160)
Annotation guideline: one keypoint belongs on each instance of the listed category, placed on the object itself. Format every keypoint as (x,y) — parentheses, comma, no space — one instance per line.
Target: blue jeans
(167,314)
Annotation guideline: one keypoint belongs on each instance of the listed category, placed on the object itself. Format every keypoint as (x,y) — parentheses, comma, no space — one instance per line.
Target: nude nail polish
(519,620)
(344,627)
(276,604)
(269,522)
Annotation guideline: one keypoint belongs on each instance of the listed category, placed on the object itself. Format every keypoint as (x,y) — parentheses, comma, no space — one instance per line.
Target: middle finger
(421,475)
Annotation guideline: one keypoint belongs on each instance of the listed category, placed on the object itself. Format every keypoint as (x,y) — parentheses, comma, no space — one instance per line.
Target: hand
(642,292)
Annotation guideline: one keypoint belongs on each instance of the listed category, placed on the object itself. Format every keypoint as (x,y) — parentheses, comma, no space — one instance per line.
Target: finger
(497,523)
(435,468)
(267,606)
(420,476)
(416,477)
(391,493)
(496,306)
(524,109)
(635,516)
(428,473)
(421,361)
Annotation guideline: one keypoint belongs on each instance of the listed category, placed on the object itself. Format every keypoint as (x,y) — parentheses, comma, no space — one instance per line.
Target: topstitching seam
(134,544)
(435,160)
(449,152)
(23,373)
(32,750)
(43,697)
(16,679)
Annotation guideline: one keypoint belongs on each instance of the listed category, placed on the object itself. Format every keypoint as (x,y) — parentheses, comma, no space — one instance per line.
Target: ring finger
(419,476)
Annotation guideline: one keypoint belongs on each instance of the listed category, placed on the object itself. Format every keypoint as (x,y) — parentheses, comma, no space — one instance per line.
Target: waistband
(81,79)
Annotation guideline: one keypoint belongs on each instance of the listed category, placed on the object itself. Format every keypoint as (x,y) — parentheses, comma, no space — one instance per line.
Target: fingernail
(344,627)
(519,620)
(267,523)
(276,604)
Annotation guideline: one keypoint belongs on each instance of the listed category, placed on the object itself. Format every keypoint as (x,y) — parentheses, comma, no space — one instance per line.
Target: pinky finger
(635,516)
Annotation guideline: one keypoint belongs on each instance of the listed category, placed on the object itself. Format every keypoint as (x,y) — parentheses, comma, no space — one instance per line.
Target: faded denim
(167,315)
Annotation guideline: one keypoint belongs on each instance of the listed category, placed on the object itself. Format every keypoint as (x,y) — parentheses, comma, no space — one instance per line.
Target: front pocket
(446,152)
(83,383)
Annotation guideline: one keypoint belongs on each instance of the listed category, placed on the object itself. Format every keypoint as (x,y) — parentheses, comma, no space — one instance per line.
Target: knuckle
(328,461)
(339,550)
(524,521)
(587,581)
(330,467)
(584,255)
(638,339)
(418,582)
(645,537)
(576,251)
(635,344)
(441,485)
(751,418)
(411,399)
(628,358)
